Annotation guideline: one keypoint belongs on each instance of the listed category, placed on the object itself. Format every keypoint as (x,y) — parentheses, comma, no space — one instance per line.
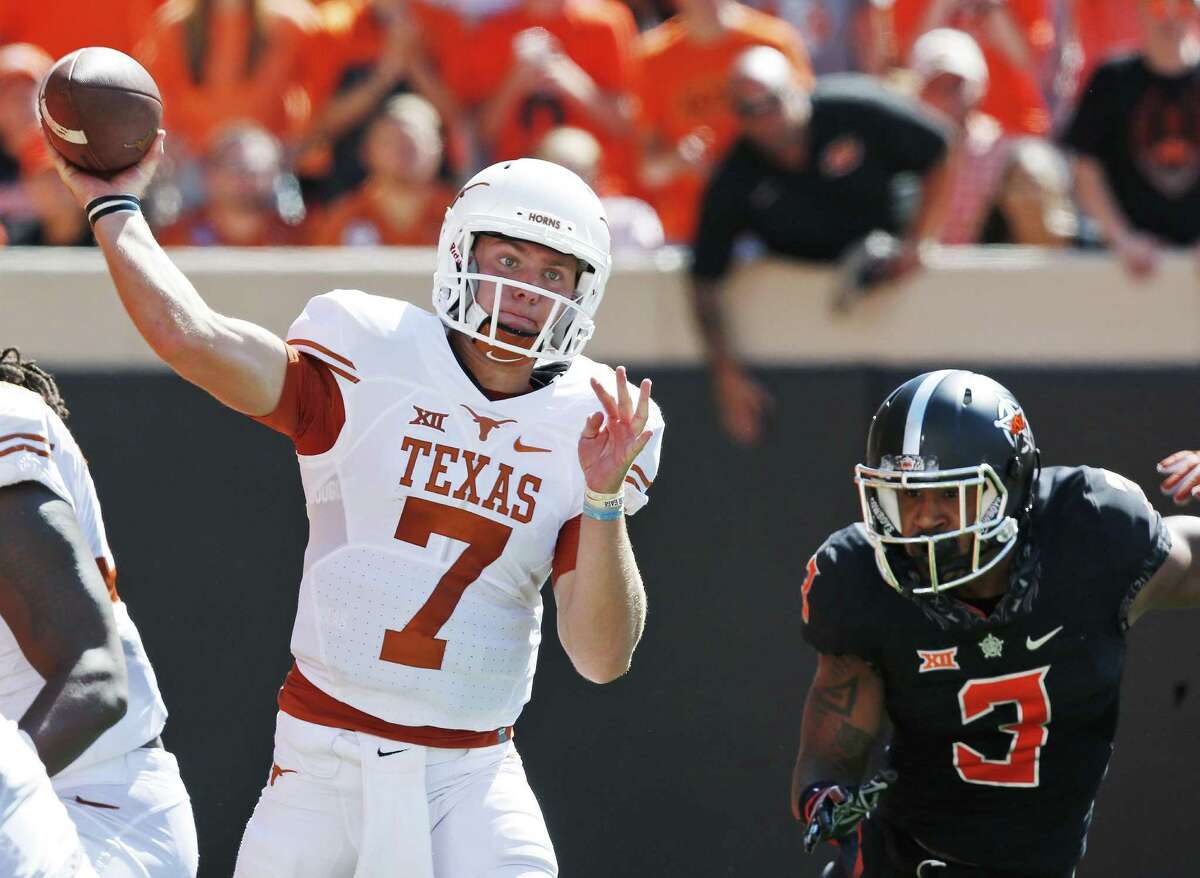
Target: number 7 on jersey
(417,644)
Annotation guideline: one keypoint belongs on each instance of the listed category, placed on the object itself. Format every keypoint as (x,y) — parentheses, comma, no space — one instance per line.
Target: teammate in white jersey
(450,464)
(37,838)
(72,665)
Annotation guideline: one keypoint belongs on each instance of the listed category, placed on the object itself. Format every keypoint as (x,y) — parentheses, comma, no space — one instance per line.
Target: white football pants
(133,815)
(37,839)
(341,804)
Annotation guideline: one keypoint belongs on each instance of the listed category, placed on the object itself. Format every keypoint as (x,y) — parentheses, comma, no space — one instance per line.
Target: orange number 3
(417,645)
(1020,768)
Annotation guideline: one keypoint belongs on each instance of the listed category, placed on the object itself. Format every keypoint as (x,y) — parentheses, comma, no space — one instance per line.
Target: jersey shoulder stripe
(27,442)
(350,331)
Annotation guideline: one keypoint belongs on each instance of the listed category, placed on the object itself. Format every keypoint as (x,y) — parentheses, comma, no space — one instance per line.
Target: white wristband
(603,507)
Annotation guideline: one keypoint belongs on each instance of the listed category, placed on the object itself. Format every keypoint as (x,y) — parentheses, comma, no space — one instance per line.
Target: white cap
(944,50)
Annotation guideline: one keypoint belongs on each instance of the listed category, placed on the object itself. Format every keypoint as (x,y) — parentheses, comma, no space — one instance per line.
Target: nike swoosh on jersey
(379,751)
(518,445)
(1032,644)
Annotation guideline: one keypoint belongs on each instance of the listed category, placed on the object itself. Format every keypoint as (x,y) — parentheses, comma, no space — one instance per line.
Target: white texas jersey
(434,518)
(36,446)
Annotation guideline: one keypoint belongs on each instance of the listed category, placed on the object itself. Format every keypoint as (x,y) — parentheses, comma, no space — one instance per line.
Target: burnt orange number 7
(417,644)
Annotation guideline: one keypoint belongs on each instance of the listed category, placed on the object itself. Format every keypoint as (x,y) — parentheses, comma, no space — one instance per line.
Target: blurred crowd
(705,122)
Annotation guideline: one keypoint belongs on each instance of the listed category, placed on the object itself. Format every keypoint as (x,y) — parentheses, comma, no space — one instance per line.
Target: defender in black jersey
(982,603)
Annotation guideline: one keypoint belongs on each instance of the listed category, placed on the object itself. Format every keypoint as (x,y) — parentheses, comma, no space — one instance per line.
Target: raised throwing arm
(238,362)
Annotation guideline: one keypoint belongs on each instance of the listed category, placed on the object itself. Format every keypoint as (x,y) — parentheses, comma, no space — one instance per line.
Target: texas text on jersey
(435,515)
(1003,724)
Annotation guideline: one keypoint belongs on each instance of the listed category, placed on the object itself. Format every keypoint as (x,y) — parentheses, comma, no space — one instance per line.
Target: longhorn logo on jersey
(486,424)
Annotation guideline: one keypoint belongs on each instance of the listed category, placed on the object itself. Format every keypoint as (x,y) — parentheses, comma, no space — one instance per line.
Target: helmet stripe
(914,424)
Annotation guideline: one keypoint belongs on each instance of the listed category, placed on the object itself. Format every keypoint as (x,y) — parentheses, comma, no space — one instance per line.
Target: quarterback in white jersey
(72,664)
(451,464)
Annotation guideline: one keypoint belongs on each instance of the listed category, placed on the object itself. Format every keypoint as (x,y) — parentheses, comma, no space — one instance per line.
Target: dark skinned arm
(842,718)
(55,602)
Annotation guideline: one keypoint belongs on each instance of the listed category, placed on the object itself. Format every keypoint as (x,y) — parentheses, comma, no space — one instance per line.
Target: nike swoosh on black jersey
(1032,644)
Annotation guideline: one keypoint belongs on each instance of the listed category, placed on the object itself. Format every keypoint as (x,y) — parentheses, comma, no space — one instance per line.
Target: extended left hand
(613,438)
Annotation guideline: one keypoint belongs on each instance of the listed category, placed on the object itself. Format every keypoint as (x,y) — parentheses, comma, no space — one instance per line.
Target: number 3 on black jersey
(976,699)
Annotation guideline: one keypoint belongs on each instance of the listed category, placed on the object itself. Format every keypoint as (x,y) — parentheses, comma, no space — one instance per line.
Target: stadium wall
(681,768)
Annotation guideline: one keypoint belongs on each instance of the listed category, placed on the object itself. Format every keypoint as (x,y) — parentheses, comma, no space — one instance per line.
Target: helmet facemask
(931,563)
(565,331)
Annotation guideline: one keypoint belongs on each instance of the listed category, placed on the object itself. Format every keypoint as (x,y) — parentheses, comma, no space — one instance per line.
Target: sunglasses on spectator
(745,109)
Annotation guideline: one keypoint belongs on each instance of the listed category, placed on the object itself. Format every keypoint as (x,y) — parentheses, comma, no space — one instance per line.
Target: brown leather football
(100,109)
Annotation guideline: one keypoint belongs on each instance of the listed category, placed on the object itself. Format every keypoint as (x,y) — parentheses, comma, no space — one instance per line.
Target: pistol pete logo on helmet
(1012,422)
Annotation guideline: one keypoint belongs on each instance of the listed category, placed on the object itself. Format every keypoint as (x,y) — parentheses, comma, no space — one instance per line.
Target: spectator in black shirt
(1136,134)
(811,176)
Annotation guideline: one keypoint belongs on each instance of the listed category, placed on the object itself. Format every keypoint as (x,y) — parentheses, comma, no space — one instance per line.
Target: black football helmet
(946,430)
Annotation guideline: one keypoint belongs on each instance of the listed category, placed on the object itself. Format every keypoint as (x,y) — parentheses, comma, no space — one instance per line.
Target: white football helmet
(530,200)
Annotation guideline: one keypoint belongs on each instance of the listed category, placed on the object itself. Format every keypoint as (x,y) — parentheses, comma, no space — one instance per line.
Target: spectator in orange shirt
(1016,37)
(21,68)
(241,172)
(548,63)
(364,52)
(217,61)
(62,26)
(401,202)
(35,208)
(684,122)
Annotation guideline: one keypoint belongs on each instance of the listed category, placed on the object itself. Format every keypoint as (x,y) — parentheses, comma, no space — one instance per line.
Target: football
(100,109)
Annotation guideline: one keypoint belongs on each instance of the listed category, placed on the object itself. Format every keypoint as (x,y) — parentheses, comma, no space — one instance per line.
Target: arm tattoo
(850,748)
(838,699)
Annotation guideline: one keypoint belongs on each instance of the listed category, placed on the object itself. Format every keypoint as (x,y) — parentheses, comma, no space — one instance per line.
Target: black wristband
(106,204)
